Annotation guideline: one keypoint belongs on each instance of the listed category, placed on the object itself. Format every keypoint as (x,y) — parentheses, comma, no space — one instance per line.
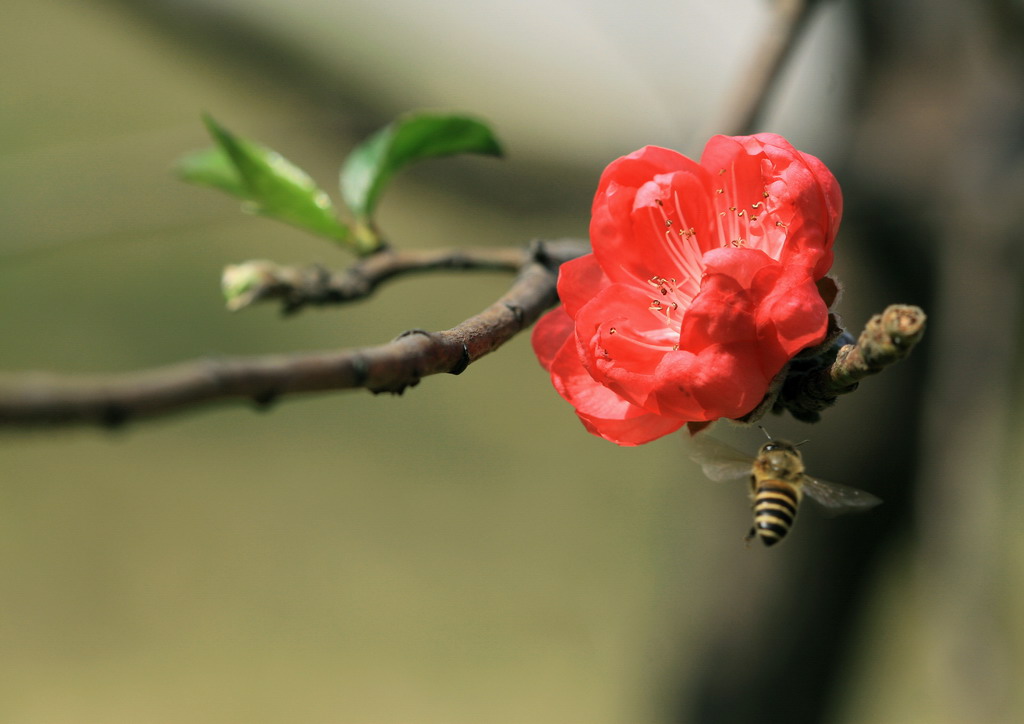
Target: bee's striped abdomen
(775,506)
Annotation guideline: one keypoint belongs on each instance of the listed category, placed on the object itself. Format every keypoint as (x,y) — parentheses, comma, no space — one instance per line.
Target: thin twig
(814,385)
(259,280)
(38,399)
(744,112)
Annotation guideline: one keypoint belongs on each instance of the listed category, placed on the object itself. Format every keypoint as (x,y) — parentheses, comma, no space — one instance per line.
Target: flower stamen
(639,340)
(686,255)
(665,287)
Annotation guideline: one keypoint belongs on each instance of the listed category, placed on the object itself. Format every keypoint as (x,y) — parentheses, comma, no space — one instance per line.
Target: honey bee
(777,484)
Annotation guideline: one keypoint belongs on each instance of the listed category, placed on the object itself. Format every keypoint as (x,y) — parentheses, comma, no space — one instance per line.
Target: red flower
(700,287)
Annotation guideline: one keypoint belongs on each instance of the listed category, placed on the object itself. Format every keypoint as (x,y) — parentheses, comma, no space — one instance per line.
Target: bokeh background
(466,552)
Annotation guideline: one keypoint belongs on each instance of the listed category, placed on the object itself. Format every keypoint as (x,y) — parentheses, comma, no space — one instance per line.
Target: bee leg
(750,536)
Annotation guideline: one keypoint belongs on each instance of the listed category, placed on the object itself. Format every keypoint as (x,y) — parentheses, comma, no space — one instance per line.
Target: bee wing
(838,499)
(720,461)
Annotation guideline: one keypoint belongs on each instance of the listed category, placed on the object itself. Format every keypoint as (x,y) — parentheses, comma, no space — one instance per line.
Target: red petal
(791,318)
(579,281)
(723,312)
(813,199)
(833,198)
(672,392)
(645,206)
(738,264)
(739,196)
(723,380)
(621,342)
(602,411)
(639,167)
(549,334)
(630,426)
(800,214)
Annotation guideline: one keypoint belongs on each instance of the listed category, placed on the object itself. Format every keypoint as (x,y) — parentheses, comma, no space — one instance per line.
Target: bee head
(780,446)
(780,458)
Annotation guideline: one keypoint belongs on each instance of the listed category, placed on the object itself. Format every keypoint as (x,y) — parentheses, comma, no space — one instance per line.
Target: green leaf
(412,137)
(211,167)
(273,185)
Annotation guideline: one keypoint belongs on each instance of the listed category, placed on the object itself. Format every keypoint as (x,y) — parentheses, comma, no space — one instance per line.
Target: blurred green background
(466,552)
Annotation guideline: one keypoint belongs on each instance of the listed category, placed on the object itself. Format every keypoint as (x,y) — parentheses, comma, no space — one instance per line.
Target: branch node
(539,253)
(114,416)
(463,362)
(360,370)
(395,388)
(410,332)
(266,399)
(517,311)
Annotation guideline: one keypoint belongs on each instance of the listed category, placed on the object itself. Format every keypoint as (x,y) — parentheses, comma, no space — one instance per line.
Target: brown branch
(256,281)
(747,106)
(38,399)
(814,385)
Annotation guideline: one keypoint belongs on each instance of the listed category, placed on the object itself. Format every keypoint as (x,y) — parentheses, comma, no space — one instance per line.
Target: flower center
(740,209)
(734,222)
(740,206)
(673,294)
(667,302)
